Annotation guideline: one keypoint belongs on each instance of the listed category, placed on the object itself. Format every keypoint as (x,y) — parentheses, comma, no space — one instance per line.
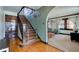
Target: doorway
(10,27)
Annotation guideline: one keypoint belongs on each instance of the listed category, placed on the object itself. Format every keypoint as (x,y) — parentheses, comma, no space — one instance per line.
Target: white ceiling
(62,11)
(17,8)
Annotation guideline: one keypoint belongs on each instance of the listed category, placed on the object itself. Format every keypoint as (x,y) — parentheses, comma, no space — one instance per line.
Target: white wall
(2,24)
(10,13)
(77,23)
(2,21)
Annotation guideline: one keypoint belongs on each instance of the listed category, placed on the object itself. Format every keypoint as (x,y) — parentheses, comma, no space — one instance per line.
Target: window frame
(65,24)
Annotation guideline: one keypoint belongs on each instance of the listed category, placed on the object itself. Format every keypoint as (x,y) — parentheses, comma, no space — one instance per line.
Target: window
(28,11)
(66,24)
(31,12)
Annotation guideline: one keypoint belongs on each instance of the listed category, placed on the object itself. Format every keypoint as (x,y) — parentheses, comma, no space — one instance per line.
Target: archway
(60,11)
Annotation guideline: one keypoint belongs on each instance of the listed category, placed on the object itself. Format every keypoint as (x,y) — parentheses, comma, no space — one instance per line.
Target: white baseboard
(5,49)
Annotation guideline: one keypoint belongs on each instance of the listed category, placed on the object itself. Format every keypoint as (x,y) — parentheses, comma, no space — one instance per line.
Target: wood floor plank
(36,47)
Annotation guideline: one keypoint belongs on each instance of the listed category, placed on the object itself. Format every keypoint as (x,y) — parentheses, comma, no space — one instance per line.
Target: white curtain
(73,22)
(77,23)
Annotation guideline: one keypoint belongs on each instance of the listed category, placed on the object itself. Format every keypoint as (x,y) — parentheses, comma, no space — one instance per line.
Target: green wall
(39,23)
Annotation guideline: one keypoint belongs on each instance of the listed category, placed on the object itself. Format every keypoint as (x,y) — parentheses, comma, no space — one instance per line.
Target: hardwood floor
(36,47)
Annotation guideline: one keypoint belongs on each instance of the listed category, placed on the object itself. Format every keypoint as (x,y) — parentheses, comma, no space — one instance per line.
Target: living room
(63,28)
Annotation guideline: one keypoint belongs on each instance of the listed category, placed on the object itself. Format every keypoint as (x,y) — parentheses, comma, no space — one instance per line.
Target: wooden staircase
(27,32)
